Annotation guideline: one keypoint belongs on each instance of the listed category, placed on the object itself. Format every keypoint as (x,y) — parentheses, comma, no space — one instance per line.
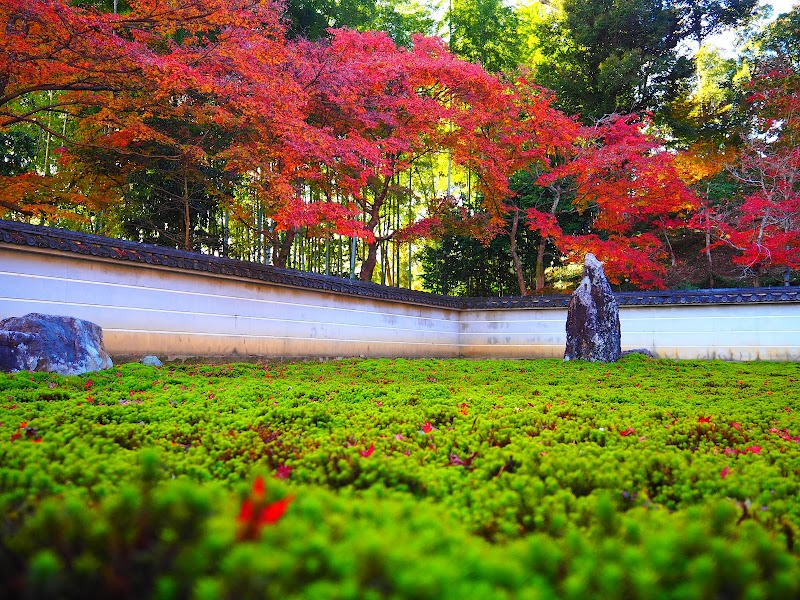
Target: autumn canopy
(160,119)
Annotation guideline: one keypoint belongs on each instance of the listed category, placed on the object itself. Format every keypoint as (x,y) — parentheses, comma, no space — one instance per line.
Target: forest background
(474,148)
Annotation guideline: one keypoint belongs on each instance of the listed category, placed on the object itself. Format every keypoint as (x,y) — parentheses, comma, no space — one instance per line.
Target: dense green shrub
(404,479)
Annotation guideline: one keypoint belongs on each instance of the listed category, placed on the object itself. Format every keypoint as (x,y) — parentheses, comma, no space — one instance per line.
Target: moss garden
(403,479)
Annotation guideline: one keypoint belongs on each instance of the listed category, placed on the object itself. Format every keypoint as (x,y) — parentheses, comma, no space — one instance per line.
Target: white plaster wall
(748,331)
(150,310)
(751,331)
(517,333)
(145,309)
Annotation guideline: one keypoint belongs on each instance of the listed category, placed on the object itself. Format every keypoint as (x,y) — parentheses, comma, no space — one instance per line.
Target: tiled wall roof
(23,234)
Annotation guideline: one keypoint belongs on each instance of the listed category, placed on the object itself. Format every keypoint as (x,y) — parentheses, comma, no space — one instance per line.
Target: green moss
(410,479)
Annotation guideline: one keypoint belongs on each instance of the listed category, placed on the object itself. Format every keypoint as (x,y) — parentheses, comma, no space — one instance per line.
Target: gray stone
(593,331)
(57,344)
(152,361)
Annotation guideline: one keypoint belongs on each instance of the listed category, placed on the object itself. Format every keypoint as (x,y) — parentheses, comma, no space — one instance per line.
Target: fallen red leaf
(254,514)
(273,512)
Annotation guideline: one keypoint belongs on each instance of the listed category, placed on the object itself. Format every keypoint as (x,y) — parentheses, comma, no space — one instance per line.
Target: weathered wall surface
(150,310)
(514,333)
(748,331)
(178,304)
(752,331)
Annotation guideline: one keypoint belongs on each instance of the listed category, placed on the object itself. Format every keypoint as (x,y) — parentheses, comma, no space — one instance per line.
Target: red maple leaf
(427,427)
(283,472)
(368,452)
(272,513)
(704,419)
(457,461)
(753,449)
(255,513)
(627,432)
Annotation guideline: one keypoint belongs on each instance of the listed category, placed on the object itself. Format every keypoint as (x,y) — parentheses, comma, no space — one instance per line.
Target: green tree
(311,19)
(701,18)
(462,266)
(485,32)
(621,56)
(17,151)
(780,40)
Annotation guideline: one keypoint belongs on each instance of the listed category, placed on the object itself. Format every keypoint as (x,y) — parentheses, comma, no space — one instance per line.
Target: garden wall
(152,300)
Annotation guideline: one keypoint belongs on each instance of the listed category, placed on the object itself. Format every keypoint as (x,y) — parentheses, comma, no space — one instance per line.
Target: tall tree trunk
(761,229)
(187,217)
(282,249)
(708,253)
(543,242)
(540,265)
(672,259)
(523,289)
(368,266)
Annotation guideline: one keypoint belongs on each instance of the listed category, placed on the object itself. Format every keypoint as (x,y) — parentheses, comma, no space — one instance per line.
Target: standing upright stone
(53,343)
(593,318)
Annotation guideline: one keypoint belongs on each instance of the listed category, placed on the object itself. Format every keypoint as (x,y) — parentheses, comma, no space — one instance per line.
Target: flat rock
(52,343)
(152,361)
(593,331)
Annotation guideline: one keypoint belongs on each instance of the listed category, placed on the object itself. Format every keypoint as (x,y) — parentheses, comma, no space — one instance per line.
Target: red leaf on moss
(627,432)
(457,461)
(427,427)
(273,512)
(368,452)
(283,472)
(89,383)
(753,449)
(246,512)
(724,472)
(258,487)
(254,513)
(16,436)
(704,419)
(736,426)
